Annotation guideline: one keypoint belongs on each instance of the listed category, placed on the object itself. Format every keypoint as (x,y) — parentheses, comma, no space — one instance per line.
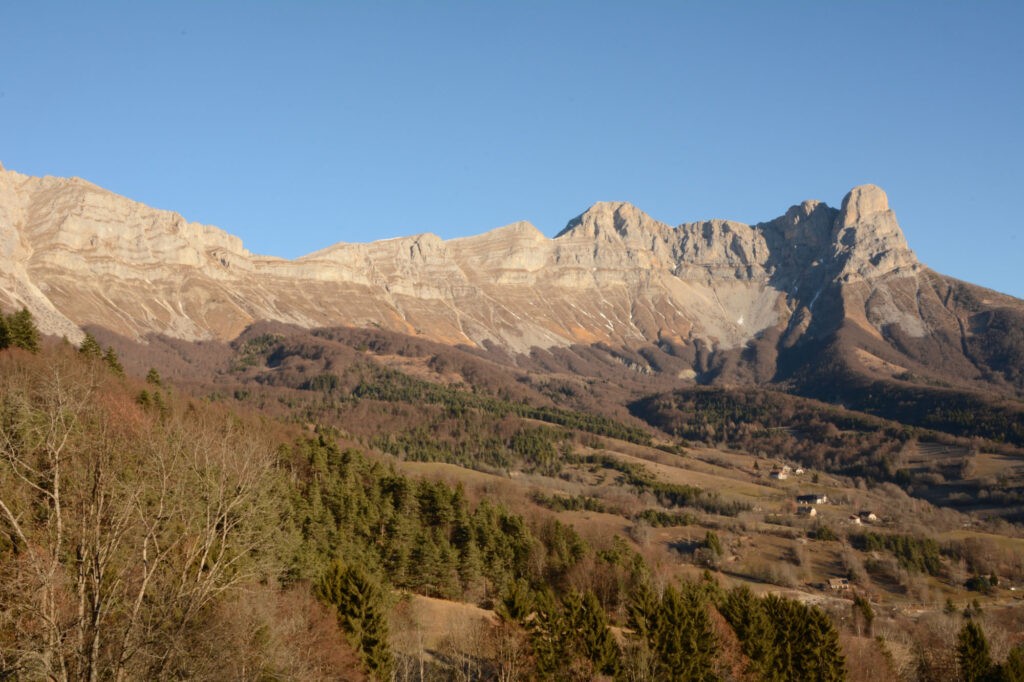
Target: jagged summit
(611,220)
(862,202)
(862,238)
(868,240)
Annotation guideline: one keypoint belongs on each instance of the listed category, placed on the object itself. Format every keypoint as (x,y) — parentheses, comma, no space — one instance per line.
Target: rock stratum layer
(78,255)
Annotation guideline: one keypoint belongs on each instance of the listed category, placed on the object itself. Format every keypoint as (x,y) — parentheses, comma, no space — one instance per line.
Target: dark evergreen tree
(505,543)
(470,563)
(90,348)
(805,644)
(787,632)
(399,536)
(22,330)
(644,610)
(463,540)
(112,361)
(158,402)
(708,586)
(823,654)
(973,654)
(712,542)
(588,625)
(400,529)
(515,604)
(5,333)
(435,564)
(362,613)
(449,585)
(549,636)
(685,643)
(564,548)
(1012,669)
(153,377)
(862,611)
(745,613)
(435,500)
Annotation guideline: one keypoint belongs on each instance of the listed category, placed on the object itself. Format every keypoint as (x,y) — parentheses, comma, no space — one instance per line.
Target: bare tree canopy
(122,526)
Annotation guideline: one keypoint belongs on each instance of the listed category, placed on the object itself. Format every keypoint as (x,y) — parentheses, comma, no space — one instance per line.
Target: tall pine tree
(549,637)
(515,604)
(588,625)
(113,362)
(972,653)
(824,654)
(685,643)
(1013,668)
(22,330)
(805,645)
(90,348)
(644,610)
(362,613)
(5,333)
(753,628)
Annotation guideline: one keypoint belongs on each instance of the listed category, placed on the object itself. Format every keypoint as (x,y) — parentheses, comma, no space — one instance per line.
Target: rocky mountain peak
(612,220)
(868,242)
(805,227)
(861,203)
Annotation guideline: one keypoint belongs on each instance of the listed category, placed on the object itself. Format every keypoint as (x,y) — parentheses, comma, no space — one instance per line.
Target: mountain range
(815,300)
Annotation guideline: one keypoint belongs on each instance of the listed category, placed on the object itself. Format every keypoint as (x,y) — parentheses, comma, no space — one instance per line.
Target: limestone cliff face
(78,255)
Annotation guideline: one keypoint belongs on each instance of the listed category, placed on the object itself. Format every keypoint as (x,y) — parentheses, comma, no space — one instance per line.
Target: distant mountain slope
(791,300)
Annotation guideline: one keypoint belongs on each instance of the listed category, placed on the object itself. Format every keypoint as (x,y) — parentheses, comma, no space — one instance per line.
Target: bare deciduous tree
(121,526)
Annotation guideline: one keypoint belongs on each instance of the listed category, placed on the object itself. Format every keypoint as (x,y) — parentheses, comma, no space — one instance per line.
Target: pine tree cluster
(90,348)
(18,330)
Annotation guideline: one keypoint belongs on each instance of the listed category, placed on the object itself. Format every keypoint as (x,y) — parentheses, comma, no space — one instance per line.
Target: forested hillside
(151,533)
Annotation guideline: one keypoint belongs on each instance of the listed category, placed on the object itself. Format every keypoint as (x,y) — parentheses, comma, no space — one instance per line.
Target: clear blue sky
(297,125)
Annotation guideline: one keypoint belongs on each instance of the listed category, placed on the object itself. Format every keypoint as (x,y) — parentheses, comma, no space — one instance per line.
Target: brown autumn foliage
(126,530)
